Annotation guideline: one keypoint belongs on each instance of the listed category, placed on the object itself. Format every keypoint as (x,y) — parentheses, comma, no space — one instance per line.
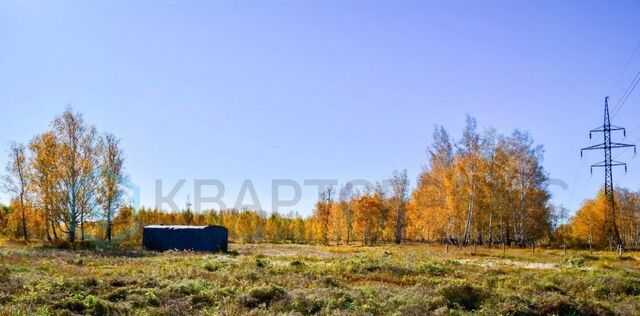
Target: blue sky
(264,90)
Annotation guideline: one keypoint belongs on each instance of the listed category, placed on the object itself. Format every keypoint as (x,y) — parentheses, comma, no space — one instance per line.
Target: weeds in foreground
(308,280)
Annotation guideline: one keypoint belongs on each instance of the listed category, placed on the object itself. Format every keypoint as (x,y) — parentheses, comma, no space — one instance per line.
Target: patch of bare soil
(509,263)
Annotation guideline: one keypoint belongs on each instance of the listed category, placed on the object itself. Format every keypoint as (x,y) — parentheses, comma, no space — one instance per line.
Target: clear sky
(264,90)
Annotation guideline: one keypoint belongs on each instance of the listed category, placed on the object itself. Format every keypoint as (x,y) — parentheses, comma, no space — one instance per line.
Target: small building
(179,237)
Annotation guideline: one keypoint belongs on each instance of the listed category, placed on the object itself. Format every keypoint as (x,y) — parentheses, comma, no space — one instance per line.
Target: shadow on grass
(97,248)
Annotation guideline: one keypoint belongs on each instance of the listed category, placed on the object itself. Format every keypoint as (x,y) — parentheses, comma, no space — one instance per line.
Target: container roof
(176,226)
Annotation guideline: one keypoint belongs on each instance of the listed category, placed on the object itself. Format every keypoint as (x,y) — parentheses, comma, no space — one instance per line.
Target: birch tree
(78,165)
(16,181)
(400,188)
(347,209)
(110,190)
(45,176)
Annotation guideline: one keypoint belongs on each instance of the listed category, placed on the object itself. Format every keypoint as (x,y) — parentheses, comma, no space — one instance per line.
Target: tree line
(484,188)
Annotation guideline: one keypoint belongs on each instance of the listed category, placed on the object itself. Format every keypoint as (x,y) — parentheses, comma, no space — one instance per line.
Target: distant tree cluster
(66,178)
(482,189)
(587,227)
(485,189)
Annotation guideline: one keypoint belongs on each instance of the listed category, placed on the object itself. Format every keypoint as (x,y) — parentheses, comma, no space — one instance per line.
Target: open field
(301,280)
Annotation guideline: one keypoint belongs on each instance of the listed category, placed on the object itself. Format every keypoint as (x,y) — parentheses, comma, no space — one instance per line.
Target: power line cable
(622,175)
(578,176)
(626,94)
(635,142)
(635,169)
(626,67)
(586,187)
(624,71)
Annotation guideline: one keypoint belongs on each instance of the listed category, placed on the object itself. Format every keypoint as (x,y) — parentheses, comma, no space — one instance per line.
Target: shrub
(626,258)
(201,300)
(119,294)
(400,270)
(601,290)
(118,282)
(77,262)
(432,268)
(556,304)
(364,265)
(73,304)
(4,274)
(90,282)
(331,282)
(632,286)
(308,305)
(66,245)
(224,292)
(550,287)
(513,305)
(152,299)
(188,287)
(90,300)
(105,308)
(574,262)
(463,295)
(213,266)
(137,300)
(260,263)
(591,257)
(345,301)
(262,295)
(610,285)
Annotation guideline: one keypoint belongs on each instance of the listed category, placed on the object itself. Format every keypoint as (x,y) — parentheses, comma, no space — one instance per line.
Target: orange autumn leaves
(588,225)
(483,188)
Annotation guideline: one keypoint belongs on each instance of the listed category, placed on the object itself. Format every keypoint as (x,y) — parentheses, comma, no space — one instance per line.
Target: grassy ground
(302,280)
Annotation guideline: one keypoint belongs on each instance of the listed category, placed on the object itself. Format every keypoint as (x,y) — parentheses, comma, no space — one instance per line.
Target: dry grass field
(269,279)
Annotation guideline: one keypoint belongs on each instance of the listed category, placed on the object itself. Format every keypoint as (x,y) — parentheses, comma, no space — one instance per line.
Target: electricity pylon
(610,227)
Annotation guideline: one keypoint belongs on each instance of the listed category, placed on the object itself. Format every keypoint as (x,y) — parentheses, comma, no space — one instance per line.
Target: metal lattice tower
(610,227)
